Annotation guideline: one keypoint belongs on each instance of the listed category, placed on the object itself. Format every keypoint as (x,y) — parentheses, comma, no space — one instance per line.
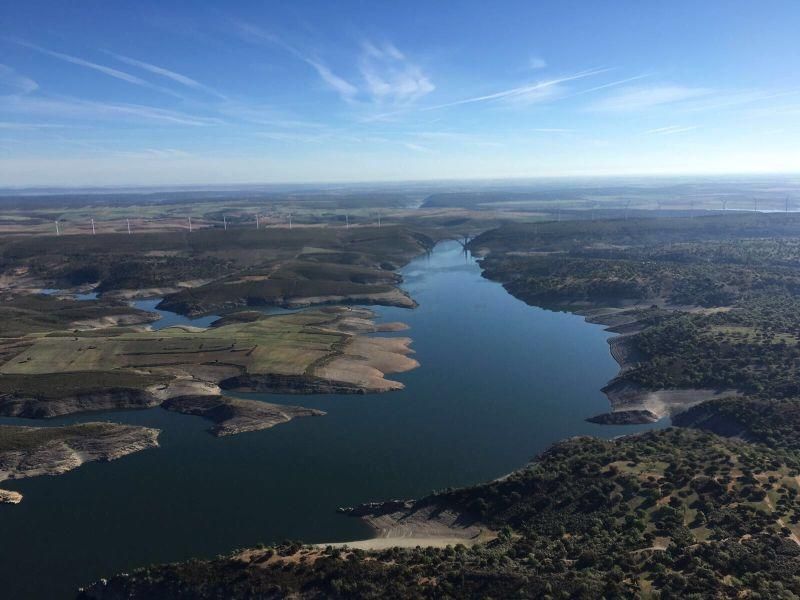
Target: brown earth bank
(411,523)
(631,403)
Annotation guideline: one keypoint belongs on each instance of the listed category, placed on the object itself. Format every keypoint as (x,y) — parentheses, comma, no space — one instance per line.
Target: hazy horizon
(466,183)
(108,95)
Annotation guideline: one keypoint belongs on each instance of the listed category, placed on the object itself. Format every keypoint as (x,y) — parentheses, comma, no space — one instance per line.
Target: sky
(193,92)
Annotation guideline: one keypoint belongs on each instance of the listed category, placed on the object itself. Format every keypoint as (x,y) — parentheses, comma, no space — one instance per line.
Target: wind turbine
(58,232)
(93,231)
(256,220)
(755,204)
(347,220)
(725,204)
(190,224)
(225,222)
(128,221)
(290,221)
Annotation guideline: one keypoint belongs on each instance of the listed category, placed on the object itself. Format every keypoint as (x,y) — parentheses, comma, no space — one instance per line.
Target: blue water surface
(499,382)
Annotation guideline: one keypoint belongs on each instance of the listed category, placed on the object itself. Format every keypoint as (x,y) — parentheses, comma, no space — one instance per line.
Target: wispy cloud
(386,74)
(111,72)
(531,91)
(671,129)
(785,110)
(266,115)
(71,108)
(536,63)
(389,76)
(160,153)
(736,99)
(417,147)
(642,98)
(522,95)
(454,137)
(341,86)
(11,81)
(294,136)
(537,95)
(29,126)
(346,90)
(605,86)
(84,63)
(163,72)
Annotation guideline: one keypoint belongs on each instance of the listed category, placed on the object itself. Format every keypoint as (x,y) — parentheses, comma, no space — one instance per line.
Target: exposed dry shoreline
(56,450)
(410,523)
(631,403)
(186,371)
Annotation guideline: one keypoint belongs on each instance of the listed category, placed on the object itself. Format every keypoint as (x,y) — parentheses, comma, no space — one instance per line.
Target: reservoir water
(499,382)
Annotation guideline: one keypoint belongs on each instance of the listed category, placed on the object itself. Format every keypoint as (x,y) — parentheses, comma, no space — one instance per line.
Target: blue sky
(103,93)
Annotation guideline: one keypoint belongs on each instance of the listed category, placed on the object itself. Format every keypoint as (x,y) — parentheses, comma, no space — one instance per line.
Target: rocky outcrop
(625,417)
(34,451)
(234,415)
(8,497)
(274,383)
(30,407)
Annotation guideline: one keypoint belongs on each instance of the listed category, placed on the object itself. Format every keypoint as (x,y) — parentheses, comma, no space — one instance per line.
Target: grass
(40,313)
(55,366)
(55,385)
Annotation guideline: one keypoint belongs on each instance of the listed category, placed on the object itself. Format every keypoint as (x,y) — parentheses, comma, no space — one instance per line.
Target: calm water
(499,382)
(168,319)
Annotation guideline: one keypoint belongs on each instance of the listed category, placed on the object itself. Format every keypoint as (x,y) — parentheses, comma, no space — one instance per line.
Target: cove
(499,382)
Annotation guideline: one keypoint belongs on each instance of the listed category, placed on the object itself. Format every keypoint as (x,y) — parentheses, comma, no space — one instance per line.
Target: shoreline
(411,523)
(253,355)
(631,403)
(188,372)
(57,450)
